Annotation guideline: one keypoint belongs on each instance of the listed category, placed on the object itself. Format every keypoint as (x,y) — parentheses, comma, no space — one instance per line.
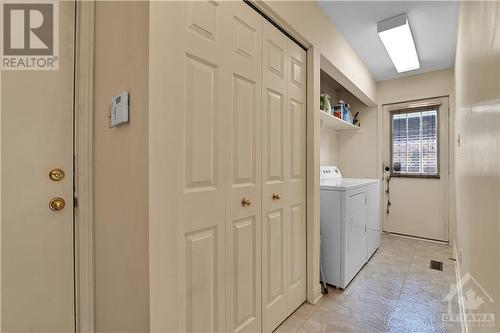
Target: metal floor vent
(437,265)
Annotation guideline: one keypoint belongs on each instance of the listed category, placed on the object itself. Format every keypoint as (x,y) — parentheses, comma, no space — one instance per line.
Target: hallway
(395,292)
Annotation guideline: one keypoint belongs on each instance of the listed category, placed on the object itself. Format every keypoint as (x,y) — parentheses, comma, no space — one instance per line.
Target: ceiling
(433,25)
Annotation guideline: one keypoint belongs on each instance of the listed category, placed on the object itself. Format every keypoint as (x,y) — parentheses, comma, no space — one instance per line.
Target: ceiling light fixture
(396,35)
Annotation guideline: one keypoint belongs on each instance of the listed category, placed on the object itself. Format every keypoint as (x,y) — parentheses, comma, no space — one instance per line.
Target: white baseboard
(458,273)
(315,295)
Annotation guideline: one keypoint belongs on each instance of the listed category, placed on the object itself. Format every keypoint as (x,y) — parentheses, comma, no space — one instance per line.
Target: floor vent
(437,265)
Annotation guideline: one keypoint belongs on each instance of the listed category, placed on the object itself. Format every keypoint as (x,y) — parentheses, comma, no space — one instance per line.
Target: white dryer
(350,224)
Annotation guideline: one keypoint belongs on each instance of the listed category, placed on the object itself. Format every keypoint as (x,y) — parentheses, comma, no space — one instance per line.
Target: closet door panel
(187,139)
(275,175)
(243,232)
(296,185)
(284,172)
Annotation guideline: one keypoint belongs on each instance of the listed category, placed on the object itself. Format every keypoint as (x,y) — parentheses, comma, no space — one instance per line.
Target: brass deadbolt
(56,174)
(245,202)
(57,204)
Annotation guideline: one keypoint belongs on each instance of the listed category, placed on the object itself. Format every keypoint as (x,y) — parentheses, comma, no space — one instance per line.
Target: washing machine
(350,224)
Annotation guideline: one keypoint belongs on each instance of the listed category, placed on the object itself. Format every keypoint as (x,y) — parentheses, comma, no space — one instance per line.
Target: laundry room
(246,166)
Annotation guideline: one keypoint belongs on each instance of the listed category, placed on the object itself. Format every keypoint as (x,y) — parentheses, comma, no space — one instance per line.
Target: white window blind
(415,143)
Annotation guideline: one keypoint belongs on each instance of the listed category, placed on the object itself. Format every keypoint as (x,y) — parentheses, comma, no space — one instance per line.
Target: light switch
(119,110)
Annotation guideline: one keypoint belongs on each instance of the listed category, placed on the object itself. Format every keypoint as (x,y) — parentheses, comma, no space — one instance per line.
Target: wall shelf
(335,123)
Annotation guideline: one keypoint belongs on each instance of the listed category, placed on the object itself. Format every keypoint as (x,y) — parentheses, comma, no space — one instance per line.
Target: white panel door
(419,206)
(296,172)
(243,228)
(283,177)
(37,288)
(189,109)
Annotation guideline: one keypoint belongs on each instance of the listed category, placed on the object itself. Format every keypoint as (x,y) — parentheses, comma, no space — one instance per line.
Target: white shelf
(335,123)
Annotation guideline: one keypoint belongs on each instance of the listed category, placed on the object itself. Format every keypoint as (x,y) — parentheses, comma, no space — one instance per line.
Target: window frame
(409,110)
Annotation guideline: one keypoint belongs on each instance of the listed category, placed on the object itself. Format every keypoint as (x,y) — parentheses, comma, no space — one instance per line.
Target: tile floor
(396,291)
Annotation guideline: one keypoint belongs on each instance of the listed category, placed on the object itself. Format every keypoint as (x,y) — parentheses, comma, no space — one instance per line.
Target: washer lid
(345,184)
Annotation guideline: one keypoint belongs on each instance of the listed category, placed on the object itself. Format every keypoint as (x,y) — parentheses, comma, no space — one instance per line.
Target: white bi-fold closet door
(227,169)
(283,177)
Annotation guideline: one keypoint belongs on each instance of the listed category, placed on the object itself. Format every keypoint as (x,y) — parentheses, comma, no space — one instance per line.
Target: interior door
(283,177)
(419,206)
(243,228)
(37,242)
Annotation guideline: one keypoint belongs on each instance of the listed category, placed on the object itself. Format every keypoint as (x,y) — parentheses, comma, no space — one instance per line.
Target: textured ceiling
(433,24)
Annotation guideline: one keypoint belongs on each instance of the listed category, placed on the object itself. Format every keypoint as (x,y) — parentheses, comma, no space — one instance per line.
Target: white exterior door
(419,206)
(37,243)
(283,177)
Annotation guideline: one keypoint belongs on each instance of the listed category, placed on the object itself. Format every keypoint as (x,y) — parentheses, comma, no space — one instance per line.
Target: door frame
(83,164)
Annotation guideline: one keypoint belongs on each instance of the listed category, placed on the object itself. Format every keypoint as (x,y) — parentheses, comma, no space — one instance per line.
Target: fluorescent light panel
(396,35)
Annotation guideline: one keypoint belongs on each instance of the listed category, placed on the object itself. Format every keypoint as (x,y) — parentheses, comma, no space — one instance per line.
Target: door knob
(56,174)
(245,202)
(57,204)
(276,196)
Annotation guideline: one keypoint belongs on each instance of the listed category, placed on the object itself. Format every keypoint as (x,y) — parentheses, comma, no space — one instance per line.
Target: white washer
(350,224)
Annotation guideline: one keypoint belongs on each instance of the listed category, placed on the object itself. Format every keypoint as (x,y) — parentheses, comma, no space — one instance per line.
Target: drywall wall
(423,86)
(477,78)
(121,178)
(328,151)
(357,150)
(430,84)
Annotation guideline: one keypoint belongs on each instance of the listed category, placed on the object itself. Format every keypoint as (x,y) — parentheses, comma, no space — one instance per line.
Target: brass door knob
(245,202)
(56,174)
(276,196)
(57,204)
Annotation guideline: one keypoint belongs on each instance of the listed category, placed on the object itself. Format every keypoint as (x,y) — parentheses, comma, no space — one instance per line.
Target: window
(415,143)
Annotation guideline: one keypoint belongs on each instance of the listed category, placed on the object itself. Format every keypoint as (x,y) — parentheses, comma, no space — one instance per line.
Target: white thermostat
(119,110)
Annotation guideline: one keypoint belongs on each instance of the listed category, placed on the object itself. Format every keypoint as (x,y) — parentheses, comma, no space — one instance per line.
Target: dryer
(350,224)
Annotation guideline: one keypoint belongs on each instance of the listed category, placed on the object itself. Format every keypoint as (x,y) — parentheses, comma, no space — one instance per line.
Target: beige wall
(430,84)
(121,180)
(422,86)
(477,75)
(328,138)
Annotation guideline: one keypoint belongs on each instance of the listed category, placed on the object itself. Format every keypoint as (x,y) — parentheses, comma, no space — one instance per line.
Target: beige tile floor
(396,291)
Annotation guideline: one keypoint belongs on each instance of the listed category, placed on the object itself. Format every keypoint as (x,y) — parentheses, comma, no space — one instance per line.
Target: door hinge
(75,202)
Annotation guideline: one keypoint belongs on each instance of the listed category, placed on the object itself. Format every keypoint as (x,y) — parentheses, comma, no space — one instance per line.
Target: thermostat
(119,110)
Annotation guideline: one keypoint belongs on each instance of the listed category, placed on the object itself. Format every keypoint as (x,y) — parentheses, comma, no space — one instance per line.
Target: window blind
(415,144)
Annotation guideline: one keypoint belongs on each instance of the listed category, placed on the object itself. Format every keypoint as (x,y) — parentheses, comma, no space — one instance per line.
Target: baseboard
(431,240)
(315,295)
(458,273)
